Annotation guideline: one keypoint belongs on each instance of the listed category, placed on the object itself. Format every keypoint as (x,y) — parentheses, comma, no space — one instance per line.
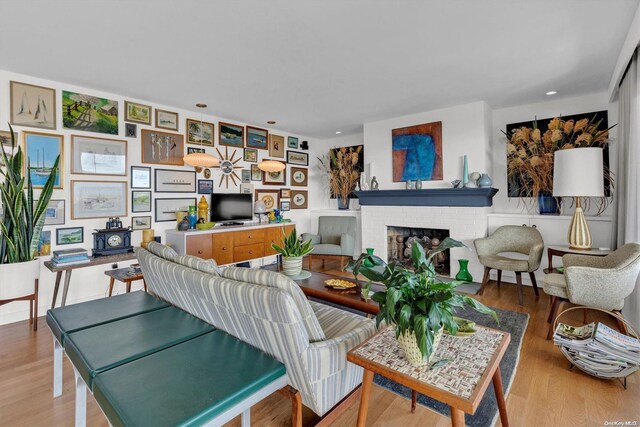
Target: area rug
(487,412)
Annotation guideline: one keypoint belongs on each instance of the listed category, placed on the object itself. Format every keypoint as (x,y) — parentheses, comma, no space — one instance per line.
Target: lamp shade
(259,207)
(271,166)
(578,172)
(201,160)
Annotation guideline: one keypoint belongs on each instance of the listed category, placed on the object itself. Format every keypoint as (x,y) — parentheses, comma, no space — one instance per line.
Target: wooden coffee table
(314,287)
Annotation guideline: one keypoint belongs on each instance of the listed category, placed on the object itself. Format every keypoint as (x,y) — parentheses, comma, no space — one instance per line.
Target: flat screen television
(231,207)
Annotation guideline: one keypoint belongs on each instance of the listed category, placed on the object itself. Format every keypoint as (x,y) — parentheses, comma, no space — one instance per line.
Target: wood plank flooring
(544,392)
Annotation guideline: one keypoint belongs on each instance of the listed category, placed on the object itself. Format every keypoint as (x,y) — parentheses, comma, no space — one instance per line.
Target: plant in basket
(418,304)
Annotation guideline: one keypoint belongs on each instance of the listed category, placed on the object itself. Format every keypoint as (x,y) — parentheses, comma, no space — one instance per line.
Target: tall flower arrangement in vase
(341,165)
(530,153)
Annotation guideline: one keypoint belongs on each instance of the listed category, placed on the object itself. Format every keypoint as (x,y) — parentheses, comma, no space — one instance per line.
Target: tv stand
(229,245)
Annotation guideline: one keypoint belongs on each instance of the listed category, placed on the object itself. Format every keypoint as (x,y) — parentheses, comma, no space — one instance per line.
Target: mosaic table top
(469,357)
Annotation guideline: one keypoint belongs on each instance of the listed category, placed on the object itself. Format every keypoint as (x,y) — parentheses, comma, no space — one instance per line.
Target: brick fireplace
(400,241)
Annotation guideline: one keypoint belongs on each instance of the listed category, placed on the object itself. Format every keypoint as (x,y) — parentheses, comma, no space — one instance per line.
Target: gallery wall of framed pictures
(124,157)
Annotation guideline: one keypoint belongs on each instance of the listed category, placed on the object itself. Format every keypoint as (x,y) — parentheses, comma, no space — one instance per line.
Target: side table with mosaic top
(474,360)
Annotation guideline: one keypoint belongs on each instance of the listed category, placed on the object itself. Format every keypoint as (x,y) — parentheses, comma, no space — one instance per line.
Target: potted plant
(21,223)
(292,250)
(530,155)
(342,167)
(415,301)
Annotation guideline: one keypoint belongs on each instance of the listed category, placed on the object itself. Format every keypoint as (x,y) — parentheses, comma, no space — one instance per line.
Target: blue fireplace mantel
(453,197)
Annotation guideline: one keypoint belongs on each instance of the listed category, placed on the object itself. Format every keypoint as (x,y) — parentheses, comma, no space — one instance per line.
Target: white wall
(90,283)
(464,131)
(554,108)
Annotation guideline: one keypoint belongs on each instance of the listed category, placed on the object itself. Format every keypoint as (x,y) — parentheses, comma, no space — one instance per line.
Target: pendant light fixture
(271,166)
(200,160)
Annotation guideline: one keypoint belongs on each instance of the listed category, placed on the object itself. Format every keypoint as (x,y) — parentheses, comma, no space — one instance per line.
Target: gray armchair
(591,281)
(511,238)
(336,238)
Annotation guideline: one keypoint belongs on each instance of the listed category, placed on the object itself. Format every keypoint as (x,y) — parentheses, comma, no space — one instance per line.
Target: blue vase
(547,204)
(465,171)
(343,204)
(484,181)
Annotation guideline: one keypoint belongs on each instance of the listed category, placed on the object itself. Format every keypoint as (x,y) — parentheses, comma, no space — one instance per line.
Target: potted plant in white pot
(292,250)
(20,223)
(415,301)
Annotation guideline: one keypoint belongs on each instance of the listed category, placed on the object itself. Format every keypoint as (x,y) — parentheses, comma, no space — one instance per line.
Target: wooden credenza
(229,245)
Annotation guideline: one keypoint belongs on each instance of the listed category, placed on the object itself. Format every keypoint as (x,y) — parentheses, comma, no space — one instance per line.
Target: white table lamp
(578,172)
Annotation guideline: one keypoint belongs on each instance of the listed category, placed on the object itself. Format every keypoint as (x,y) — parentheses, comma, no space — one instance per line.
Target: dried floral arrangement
(530,153)
(342,167)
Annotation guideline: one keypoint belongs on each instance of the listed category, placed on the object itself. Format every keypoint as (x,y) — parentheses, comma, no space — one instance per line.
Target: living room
(194,110)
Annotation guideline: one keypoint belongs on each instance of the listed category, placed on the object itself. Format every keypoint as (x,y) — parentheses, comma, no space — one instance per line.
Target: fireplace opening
(400,241)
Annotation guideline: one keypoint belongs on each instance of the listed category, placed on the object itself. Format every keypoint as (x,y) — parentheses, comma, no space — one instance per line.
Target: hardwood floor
(544,392)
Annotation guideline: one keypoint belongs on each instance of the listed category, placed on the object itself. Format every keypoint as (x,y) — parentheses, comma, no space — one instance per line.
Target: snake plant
(292,246)
(21,222)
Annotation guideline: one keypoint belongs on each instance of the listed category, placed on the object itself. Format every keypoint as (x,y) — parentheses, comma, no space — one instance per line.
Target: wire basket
(581,361)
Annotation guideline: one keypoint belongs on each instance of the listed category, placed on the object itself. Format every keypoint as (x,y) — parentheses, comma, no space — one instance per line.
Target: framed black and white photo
(246,175)
(299,177)
(205,186)
(166,208)
(140,223)
(69,236)
(130,130)
(297,158)
(140,177)
(98,199)
(140,201)
(54,212)
(175,181)
(285,205)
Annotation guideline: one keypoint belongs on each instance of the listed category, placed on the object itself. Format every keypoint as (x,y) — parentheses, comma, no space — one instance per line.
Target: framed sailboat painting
(33,106)
(41,149)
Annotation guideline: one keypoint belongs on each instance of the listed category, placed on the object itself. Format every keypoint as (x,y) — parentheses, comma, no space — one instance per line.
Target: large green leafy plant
(21,222)
(415,300)
(292,246)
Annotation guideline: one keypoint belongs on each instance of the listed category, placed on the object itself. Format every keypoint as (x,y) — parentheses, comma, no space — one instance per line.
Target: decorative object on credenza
(578,173)
(162,148)
(292,250)
(463,274)
(192,216)
(260,209)
(89,113)
(184,224)
(203,209)
(531,146)
(33,106)
(417,152)
(147,236)
(112,241)
(484,181)
(456,183)
(409,302)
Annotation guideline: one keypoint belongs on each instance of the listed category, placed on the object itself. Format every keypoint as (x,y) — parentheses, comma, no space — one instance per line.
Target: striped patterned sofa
(270,312)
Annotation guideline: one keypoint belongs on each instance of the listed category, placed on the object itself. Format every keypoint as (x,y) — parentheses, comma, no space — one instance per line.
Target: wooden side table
(460,383)
(123,275)
(563,250)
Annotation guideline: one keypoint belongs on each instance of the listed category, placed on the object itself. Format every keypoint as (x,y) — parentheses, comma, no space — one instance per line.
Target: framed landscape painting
(162,148)
(5,137)
(417,152)
(69,236)
(89,113)
(257,138)
(200,132)
(33,106)
(140,223)
(54,212)
(231,135)
(41,149)
(140,201)
(137,113)
(98,199)
(251,155)
(166,120)
(98,156)
(205,186)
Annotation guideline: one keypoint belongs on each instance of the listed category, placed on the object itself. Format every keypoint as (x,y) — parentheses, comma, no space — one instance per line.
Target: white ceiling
(314,66)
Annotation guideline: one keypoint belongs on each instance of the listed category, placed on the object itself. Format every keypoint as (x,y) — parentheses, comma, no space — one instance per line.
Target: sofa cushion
(163,251)
(204,265)
(336,322)
(277,280)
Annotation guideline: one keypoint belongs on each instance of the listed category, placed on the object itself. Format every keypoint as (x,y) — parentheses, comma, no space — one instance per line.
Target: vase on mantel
(343,204)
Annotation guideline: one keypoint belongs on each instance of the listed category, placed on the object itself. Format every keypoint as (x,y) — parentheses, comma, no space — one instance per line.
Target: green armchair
(336,238)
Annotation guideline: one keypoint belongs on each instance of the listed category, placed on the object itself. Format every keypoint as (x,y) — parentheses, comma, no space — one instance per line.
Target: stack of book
(599,350)
(70,257)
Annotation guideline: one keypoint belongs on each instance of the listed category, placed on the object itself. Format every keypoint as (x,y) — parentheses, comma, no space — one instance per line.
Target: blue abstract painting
(417,152)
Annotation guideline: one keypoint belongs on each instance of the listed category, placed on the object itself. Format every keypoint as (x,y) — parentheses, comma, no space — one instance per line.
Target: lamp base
(579,235)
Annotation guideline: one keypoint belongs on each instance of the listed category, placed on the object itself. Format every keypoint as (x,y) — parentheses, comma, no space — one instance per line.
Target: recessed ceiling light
(552,92)
(338,132)
(271,122)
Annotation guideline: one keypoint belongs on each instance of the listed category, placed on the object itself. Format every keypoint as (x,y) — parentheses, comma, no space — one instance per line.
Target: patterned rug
(487,412)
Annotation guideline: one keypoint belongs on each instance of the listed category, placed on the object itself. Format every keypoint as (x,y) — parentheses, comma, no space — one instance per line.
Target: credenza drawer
(248,237)
(200,246)
(245,252)
(223,248)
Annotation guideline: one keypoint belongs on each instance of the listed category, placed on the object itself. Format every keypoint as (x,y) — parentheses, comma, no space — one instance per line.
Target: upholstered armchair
(591,281)
(335,239)
(511,238)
